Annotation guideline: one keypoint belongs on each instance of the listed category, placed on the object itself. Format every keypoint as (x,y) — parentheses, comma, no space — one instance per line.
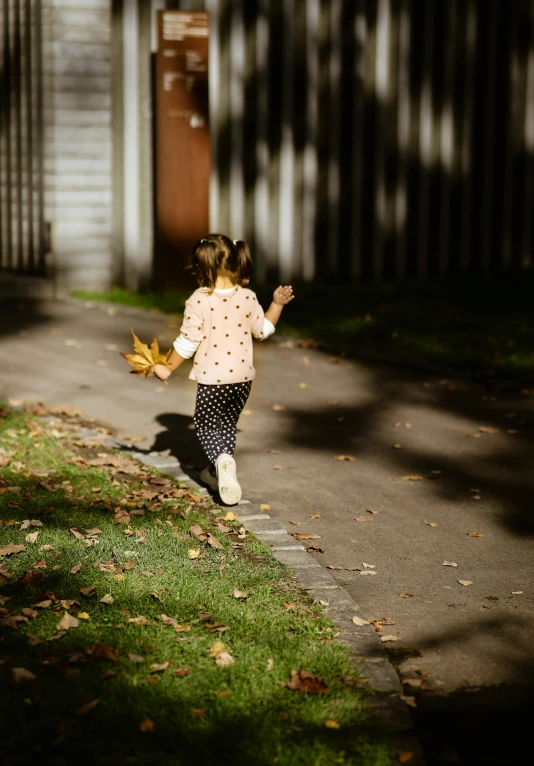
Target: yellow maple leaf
(145,357)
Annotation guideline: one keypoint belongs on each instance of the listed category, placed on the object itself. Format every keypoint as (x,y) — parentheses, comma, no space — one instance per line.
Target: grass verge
(483,325)
(112,616)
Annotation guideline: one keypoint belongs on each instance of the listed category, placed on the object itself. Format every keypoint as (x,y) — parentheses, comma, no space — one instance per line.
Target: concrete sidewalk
(307,409)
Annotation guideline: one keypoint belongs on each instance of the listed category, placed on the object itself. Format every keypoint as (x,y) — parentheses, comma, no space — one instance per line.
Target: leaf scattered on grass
(75,569)
(88,590)
(331,724)
(158,667)
(236,593)
(83,616)
(147,725)
(102,652)
(405,756)
(67,622)
(32,537)
(19,675)
(306,682)
(107,599)
(135,658)
(87,707)
(181,672)
(220,654)
(141,620)
(11,549)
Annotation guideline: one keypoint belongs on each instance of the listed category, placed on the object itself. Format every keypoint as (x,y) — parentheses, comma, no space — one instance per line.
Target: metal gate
(22,230)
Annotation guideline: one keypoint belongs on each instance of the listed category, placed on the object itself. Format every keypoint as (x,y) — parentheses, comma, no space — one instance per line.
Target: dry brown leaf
(333,566)
(41,564)
(412,477)
(193,553)
(181,672)
(315,549)
(306,682)
(107,599)
(236,593)
(386,639)
(103,652)
(76,533)
(75,569)
(406,595)
(87,707)
(431,523)
(158,667)
(359,621)
(304,536)
(214,542)
(144,358)
(405,756)
(32,537)
(135,658)
(347,458)
(331,724)
(475,534)
(141,620)
(465,582)
(12,549)
(19,675)
(449,564)
(488,430)
(147,725)
(88,591)
(67,622)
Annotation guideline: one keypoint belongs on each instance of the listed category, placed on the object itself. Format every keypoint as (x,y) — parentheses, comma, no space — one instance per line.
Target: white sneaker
(209,477)
(229,489)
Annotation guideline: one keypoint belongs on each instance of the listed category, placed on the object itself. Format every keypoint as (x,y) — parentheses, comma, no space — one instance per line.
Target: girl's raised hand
(283,295)
(161,372)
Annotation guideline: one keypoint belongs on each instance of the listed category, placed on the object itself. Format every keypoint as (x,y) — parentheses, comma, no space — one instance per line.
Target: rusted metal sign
(182,141)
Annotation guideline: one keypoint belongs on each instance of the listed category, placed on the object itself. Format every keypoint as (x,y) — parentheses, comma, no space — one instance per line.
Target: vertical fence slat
(487,229)
(528,144)
(382,94)
(515,105)
(29,132)
(237,110)
(334,137)
(261,192)
(214,85)
(42,239)
(358,96)
(287,159)
(425,140)
(309,211)
(446,139)
(7,143)
(17,87)
(404,114)
(470,43)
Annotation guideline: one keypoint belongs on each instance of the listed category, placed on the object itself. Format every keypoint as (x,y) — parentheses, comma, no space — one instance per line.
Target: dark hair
(216,255)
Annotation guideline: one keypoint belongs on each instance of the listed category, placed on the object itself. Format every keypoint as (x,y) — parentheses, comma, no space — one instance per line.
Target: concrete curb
(388,713)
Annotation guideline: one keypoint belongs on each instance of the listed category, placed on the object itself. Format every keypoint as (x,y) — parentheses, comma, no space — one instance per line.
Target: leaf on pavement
(315,515)
(386,639)
(431,523)
(488,430)
(465,582)
(75,569)
(315,549)
(406,595)
(67,622)
(264,507)
(359,621)
(449,564)
(347,458)
(12,549)
(475,534)
(144,357)
(306,682)
(304,536)
(412,477)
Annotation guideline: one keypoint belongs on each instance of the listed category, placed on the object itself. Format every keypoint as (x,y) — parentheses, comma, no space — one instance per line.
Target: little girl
(220,319)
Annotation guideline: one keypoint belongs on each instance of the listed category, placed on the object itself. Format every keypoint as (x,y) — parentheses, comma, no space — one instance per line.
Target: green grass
(482,325)
(241,714)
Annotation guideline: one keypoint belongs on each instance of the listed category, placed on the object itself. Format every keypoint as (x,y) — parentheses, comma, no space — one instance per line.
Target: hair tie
(202,240)
(235,241)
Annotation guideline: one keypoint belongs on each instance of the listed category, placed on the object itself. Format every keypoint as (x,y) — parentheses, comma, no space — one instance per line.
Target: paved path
(312,409)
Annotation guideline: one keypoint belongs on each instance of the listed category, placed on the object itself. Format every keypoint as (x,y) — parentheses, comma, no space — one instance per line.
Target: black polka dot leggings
(217,411)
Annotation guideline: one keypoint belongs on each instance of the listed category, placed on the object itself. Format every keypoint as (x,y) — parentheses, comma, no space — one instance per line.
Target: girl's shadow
(181,441)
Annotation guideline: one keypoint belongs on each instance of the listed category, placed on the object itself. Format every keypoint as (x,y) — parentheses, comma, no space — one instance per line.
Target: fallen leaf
(83,616)
(214,542)
(33,640)
(331,724)
(359,621)
(405,756)
(19,675)
(87,591)
(406,595)
(67,622)
(107,599)
(306,682)
(27,612)
(333,566)
(230,516)
(12,549)
(412,477)
(265,507)
(488,430)
(396,446)
(315,549)
(103,652)
(315,515)
(277,467)
(135,658)
(304,536)
(362,518)
(147,725)
(324,603)
(348,458)
(41,564)
(75,569)
(32,537)
(475,534)
(410,701)
(270,664)
(277,407)
(158,667)
(368,572)
(465,582)
(181,672)
(193,553)
(369,566)
(76,533)
(449,564)
(386,639)
(236,593)
(87,707)
(141,620)
(290,605)
(431,523)
(516,592)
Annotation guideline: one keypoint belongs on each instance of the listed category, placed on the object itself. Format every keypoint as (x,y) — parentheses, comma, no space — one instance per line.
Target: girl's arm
(164,371)
(281,297)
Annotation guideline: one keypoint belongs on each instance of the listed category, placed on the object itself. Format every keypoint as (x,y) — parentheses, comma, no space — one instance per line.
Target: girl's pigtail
(205,263)
(244,262)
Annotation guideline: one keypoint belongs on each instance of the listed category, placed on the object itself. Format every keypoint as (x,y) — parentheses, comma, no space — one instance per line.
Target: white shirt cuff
(268,328)
(185,347)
